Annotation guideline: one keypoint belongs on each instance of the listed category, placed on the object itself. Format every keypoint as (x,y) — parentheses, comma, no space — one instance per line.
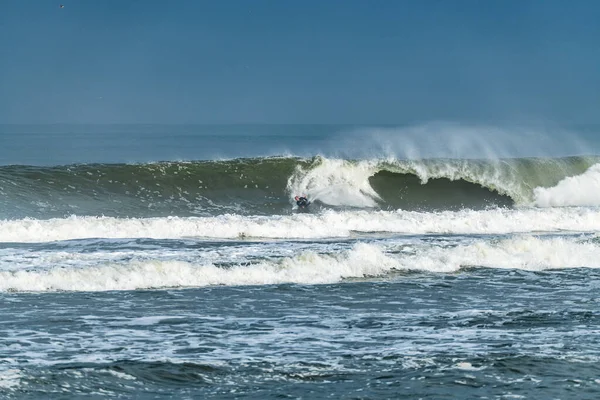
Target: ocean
(436,261)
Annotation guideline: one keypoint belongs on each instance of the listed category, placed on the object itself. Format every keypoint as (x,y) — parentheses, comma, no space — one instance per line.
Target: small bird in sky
(61,6)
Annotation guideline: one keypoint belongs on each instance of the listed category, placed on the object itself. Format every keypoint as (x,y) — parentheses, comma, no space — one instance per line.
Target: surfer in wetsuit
(301,201)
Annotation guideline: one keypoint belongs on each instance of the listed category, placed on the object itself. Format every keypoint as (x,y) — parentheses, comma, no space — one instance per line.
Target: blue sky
(280,61)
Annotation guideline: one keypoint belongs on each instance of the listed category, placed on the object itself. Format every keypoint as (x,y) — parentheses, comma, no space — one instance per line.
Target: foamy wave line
(523,252)
(363,260)
(306,268)
(305,226)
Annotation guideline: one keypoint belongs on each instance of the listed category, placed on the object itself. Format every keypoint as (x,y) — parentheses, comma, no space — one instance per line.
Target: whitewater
(160,261)
(325,225)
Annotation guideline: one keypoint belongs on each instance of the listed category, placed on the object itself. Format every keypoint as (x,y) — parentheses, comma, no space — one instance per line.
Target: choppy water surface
(412,275)
(473,334)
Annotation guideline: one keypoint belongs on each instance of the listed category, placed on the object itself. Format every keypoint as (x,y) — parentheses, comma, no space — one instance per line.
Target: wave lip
(432,184)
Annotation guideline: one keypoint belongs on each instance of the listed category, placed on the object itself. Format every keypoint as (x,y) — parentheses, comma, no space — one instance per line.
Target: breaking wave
(363,260)
(305,226)
(266,186)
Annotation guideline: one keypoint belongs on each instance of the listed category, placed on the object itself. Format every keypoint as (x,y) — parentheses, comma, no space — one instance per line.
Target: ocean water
(437,261)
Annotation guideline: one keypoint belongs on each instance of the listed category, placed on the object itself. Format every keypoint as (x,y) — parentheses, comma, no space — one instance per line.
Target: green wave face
(265,186)
(481,181)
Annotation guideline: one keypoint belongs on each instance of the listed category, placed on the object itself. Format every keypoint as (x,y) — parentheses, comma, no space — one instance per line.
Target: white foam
(304,226)
(151,320)
(527,253)
(10,378)
(120,375)
(336,182)
(580,190)
(363,260)
(307,268)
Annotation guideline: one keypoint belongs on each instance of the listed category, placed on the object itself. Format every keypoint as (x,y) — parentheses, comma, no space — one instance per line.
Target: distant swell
(266,186)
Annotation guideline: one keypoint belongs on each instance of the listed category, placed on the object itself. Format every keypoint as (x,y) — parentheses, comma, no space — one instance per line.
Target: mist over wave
(453,140)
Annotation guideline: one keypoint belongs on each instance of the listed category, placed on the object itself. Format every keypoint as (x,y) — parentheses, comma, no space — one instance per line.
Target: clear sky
(284,61)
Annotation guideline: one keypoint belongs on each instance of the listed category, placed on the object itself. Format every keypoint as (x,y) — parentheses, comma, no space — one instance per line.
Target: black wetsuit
(302,202)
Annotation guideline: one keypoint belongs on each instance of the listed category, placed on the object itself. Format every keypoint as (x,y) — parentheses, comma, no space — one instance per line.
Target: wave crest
(433,184)
(266,186)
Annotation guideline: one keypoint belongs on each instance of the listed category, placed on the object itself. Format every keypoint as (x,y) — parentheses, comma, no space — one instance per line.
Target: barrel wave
(266,186)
